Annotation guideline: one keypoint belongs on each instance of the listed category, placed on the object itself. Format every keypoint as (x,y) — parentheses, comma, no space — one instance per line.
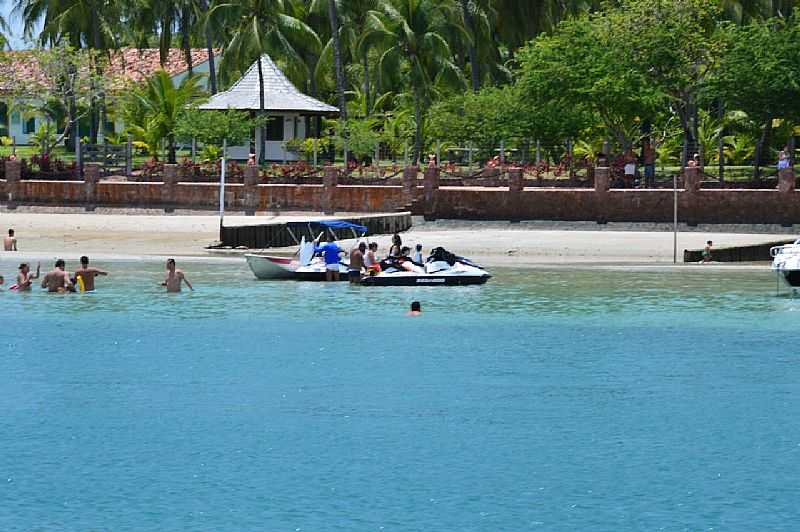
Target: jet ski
(786,263)
(442,268)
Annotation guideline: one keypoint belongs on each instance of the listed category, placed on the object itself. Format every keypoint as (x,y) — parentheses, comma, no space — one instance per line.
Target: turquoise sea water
(545,400)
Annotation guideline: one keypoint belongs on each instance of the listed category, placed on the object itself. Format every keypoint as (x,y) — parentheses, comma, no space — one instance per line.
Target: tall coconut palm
(161,103)
(264,27)
(338,62)
(415,28)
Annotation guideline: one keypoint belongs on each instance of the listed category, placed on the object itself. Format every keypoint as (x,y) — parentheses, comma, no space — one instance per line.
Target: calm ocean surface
(545,400)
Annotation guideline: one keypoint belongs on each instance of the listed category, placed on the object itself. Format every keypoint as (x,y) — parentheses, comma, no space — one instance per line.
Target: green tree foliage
(154,109)
(581,69)
(214,127)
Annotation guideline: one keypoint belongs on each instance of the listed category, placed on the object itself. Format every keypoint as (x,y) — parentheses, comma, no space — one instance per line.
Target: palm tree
(93,24)
(415,28)
(4,30)
(333,16)
(160,103)
(264,27)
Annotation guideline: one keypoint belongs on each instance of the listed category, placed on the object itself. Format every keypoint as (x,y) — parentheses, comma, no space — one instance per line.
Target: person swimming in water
(416,310)
(57,280)
(175,278)
(87,274)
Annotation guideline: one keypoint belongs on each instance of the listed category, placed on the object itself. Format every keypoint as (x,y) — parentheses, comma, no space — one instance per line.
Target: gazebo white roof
(280,95)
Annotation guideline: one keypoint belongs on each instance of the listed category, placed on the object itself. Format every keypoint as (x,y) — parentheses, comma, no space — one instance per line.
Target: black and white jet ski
(786,263)
(441,269)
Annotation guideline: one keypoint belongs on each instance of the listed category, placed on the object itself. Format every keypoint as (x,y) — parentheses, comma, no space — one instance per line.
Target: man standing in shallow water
(87,274)
(174,278)
(57,280)
(24,277)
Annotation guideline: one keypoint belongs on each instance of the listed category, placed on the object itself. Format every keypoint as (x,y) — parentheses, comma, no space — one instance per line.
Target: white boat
(305,267)
(786,263)
(441,269)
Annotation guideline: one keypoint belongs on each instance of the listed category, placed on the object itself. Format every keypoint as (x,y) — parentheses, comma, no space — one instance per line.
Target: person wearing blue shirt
(330,252)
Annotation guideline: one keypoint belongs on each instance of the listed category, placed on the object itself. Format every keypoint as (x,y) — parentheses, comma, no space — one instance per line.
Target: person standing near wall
(10,242)
(649,161)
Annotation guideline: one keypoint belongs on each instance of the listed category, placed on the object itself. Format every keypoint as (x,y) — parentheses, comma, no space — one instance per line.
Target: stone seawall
(514,202)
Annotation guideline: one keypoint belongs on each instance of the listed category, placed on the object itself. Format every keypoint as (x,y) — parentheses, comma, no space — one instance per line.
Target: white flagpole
(222,185)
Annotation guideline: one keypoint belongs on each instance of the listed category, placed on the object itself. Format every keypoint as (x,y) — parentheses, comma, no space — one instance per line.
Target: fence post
(431,188)
(786,180)
(502,152)
(377,160)
(91,178)
(78,158)
(314,143)
(329,182)
(538,151)
(438,153)
(194,149)
(13,176)
(469,157)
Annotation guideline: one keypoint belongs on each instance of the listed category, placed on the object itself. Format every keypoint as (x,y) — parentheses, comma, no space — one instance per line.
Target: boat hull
(268,268)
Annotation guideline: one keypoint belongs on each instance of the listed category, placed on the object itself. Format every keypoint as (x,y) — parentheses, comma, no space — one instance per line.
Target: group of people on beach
(364,259)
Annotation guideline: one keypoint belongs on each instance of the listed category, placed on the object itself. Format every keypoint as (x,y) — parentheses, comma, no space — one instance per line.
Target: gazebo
(283,103)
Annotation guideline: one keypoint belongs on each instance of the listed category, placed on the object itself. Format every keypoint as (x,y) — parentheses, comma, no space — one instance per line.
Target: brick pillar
(91,176)
(691,179)
(13,176)
(251,180)
(602,183)
(431,188)
(169,187)
(786,180)
(602,178)
(516,181)
(329,181)
(409,184)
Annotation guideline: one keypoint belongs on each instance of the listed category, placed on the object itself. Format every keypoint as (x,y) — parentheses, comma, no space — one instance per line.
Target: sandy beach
(151,233)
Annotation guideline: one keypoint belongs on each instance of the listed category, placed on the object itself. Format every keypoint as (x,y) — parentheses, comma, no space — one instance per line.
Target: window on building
(275,128)
(30,126)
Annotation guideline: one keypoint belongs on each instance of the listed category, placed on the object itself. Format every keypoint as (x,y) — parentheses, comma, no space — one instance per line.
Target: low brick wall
(695,206)
(704,206)
(204,196)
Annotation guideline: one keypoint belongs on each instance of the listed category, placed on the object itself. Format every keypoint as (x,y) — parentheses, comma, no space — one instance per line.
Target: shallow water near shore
(546,400)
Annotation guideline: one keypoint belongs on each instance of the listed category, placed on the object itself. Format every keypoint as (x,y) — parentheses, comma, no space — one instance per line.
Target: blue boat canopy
(331,224)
